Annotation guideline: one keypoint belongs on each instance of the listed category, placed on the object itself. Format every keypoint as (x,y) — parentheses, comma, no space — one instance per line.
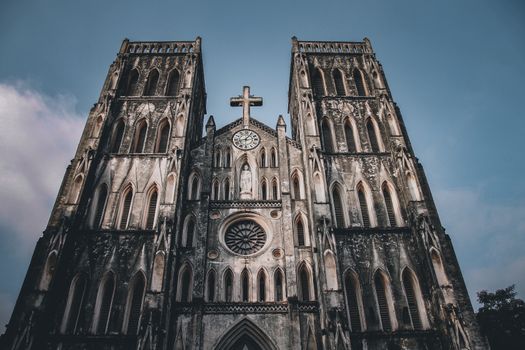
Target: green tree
(502,319)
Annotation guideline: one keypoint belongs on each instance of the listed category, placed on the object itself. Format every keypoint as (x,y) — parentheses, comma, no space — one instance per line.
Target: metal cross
(246,100)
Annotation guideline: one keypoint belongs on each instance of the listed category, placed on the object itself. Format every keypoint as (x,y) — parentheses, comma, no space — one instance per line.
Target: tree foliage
(502,319)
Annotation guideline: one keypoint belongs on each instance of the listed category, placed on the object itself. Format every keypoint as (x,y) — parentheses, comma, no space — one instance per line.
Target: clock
(246,139)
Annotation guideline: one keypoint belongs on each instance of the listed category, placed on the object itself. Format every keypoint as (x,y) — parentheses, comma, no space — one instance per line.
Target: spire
(280,121)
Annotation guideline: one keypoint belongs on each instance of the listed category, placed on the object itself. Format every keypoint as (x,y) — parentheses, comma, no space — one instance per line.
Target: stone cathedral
(170,232)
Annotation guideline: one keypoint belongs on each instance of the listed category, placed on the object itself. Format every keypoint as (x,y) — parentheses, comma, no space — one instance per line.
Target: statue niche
(245,182)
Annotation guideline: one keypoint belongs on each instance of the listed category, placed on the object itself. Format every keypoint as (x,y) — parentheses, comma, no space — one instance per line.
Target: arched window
(75,300)
(118,134)
(372,136)
(279,285)
(264,190)
(158,272)
(245,286)
(227,189)
(106,291)
(412,187)
(173,83)
(331,271)
(218,154)
(211,286)
(215,190)
(194,187)
(190,232)
(349,133)
(152,209)
(320,196)
(296,185)
(359,83)
(318,82)
(261,280)
(151,84)
(273,158)
(275,189)
(170,188)
(304,283)
(185,284)
(263,158)
(49,271)
(228,286)
(352,293)
(299,229)
(338,208)
(140,137)
(363,205)
(134,304)
(163,137)
(409,284)
(227,157)
(102,195)
(131,87)
(327,136)
(338,82)
(125,209)
(389,206)
(383,300)
(439,269)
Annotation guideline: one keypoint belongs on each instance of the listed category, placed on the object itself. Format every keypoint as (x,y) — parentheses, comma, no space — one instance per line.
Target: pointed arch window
(118,135)
(173,83)
(262,286)
(103,304)
(273,158)
(151,84)
(439,268)
(190,232)
(227,158)
(211,286)
(77,291)
(351,286)
(359,82)
(140,137)
(158,272)
(218,154)
(349,133)
(275,189)
(412,187)
(327,136)
(126,209)
(363,205)
(245,286)
(215,190)
(227,189)
(163,137)
(389,206)
(296,186)
(318,82)
(278,279)
(193,193)
(338,82)
(372,136)
(299,229)
(382,301)
(133,78)
(304,283)
(338,208)
(101,204)
(152,209)
(228,286)
(264,190)
(185,284)
(134,307)
(410,293)
(331,271)
(263,158)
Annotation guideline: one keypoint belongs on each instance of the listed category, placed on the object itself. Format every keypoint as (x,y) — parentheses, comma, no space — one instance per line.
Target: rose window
(245,237)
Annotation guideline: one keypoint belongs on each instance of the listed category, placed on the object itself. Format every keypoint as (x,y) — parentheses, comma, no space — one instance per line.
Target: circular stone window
(245,237)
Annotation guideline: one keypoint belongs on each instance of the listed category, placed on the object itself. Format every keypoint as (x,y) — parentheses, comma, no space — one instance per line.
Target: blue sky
(455,68)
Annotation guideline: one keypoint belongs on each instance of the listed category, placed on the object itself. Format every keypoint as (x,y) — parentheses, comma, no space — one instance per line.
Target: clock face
(246,139)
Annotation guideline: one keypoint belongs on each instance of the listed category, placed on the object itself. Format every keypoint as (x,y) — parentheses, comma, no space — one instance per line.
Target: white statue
(246,182)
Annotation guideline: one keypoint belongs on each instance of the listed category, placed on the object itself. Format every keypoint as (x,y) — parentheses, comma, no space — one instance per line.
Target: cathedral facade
(244,238)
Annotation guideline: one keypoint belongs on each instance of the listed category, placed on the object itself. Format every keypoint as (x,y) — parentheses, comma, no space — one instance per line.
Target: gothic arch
(74,194)
(215,189)
(74,303)
(339,82)
(439,269)
(194,185)
(320,194)
(330,270)
(337,199)
(139,139)
(170,188)
(150,87)
(245,331)
(125,207)
(413,187)
(218,156)
(262,285)
(245,285)
(302,238)
(279,285)
(117,135)
(226,189)
(151,207)
(185,283)
(375,141)
(134,302)
(275,189)
(157,273)
(392,204)
(414,299)
(366,204)
(392,124)
(354,301)
(297,184)
(327,131)
(227,157)
(305,283)
(99,206)
(264,193)
(131,86)
(273,158)
(318,82)
(352,135)
(103,304)
(48,271)
(385,301)
(211,288)
(188,231)
(228,284)
(360,82)
(263,161)
(97,126)
(179,125)
(172,87)
(163,136)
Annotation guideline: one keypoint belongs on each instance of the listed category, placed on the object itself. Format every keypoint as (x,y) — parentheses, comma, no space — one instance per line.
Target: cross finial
(246,100)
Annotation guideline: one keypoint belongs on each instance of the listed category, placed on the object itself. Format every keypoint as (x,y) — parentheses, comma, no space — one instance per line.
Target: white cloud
(38,135)
(488,236)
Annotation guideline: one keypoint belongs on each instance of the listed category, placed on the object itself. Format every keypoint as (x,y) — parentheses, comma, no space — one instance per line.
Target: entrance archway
(245,335)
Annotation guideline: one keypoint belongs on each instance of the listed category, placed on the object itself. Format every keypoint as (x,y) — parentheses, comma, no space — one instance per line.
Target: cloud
(488,236)
(38,135)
